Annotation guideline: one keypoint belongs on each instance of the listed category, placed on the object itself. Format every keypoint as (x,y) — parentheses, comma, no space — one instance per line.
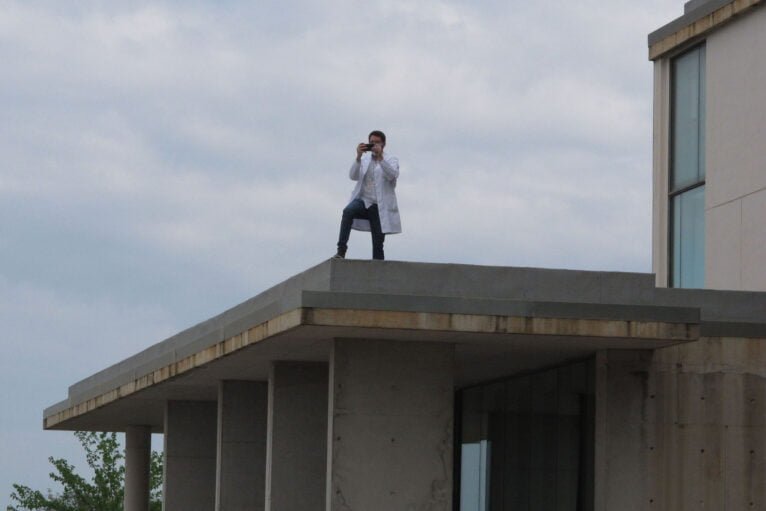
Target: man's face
(377,141)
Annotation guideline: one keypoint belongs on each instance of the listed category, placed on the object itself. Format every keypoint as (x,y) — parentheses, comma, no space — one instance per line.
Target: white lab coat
(385,174)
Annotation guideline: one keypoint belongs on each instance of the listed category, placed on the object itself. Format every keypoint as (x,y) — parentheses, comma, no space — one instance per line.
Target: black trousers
(356,209)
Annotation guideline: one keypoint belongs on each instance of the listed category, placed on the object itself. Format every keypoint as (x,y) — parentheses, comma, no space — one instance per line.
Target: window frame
(673,263)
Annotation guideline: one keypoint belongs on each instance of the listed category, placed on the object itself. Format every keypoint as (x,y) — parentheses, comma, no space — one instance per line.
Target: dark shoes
(340,254)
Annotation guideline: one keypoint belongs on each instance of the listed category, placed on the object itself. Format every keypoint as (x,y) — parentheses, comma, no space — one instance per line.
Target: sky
(162,161)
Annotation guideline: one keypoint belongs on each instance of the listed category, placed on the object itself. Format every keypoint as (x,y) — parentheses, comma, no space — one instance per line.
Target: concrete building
(382,385)
(370,385)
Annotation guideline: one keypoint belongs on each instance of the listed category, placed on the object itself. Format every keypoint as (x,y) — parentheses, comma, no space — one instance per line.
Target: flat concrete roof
(502,320)
(700,18)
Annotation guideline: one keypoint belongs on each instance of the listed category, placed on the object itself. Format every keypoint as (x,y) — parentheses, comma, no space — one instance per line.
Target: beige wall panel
(723,246)
(754,239)
(736,109)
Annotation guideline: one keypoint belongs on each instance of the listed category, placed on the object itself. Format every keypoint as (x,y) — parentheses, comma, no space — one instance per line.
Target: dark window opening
(527,443)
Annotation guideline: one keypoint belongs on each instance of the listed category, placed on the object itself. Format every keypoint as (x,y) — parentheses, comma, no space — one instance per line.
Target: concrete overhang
(502,321)
(699,19)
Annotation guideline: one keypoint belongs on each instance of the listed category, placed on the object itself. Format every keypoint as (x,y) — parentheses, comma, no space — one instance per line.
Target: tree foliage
(104,492)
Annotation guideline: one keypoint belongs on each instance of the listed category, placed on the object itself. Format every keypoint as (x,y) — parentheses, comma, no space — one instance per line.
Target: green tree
(103,493)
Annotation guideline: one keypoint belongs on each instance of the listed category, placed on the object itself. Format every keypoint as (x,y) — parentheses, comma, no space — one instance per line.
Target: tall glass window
(687,170)
(527,442)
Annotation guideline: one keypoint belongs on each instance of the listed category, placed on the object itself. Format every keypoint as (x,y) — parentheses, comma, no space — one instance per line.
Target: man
(373,204)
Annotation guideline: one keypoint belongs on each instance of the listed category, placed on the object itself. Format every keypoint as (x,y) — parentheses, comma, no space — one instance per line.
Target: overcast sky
(163,161)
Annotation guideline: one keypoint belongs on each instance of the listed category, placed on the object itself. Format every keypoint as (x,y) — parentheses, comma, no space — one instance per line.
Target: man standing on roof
(373,204)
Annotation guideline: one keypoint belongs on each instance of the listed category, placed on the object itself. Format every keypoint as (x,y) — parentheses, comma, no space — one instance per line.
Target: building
(709,175)
(370,385)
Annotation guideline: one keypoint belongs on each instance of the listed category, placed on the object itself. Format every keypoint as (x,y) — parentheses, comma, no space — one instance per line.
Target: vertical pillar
(241,462)
(138,447)
(620,458)
(391,426)
(297,437)
(190,455)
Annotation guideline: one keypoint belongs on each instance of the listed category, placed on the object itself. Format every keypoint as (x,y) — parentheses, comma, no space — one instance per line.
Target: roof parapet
(700,18)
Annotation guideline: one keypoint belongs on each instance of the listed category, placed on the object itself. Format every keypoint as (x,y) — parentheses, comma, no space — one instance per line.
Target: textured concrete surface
(190,456)
(297,437)
(620,473)
(241,451)
(682,427)
(391,426)
(705,425)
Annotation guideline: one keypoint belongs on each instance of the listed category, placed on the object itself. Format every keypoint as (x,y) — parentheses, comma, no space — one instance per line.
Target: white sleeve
(353,173)
(390,168)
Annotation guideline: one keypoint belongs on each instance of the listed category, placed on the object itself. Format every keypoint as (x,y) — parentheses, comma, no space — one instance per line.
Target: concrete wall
(190,456)
(620,457)
(297,437)
(241,462)
(391,426)
(706,425)
(684,428)
(735,188)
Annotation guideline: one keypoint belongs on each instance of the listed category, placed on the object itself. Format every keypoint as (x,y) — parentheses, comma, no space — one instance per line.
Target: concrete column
(190,456)
(296,453)
(138,448)
(241,462)
(620,455)
(391,421)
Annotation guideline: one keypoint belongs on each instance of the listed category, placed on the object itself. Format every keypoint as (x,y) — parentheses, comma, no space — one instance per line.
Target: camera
(368,147)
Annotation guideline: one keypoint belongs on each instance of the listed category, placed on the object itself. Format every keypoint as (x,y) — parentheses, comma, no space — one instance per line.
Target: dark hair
(378,134)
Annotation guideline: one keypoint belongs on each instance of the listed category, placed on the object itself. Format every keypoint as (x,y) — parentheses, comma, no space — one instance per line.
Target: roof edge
(696,23)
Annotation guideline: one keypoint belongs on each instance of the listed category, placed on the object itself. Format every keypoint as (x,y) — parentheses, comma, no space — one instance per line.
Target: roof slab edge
(387,277)
(601,320)
(270,303)
(694,24)
(455,289)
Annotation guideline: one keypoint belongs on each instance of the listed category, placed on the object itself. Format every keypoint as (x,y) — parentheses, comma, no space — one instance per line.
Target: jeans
(356,209)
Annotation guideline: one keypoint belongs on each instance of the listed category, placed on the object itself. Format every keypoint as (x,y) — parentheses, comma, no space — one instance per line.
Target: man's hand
(377,151)
(359,150)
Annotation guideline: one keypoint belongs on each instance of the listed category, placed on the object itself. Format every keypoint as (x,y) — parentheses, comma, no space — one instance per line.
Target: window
(687,170)
(527,442)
